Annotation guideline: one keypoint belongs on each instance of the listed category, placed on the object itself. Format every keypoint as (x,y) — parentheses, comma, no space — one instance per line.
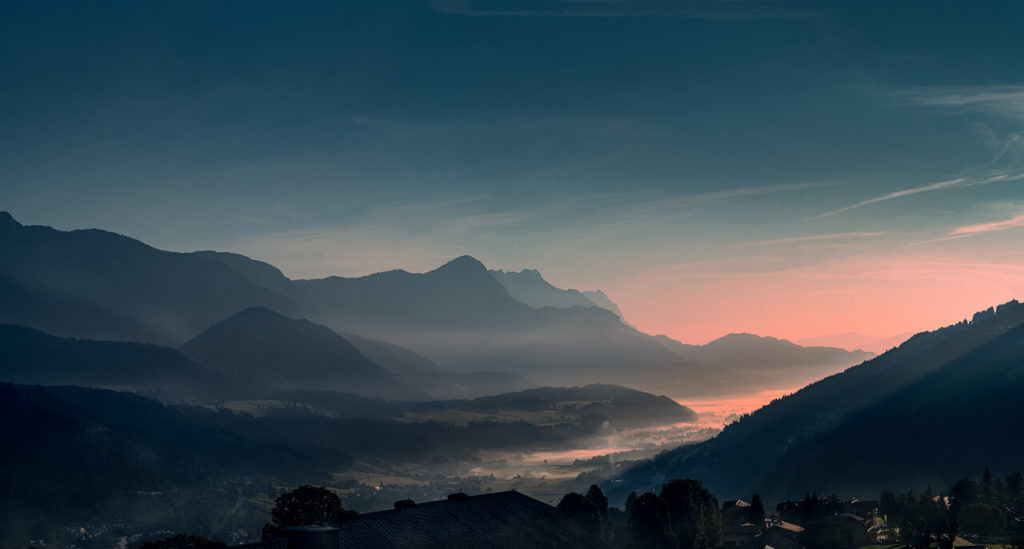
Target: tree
(987,495)
(756,513)
(631,501)
(600,502)
(597,497)
(982,519)
(964,493)
(696,518)
(651,524)
(583,512)
(1014,487)
(305,505)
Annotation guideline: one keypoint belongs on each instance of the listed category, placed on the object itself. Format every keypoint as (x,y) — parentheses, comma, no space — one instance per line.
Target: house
(746,535)
(735,512)
(489,521)
(780,534)
(841,531)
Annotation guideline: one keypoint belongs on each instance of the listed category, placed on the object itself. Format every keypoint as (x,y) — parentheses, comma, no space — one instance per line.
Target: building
(489,521)
(841,531)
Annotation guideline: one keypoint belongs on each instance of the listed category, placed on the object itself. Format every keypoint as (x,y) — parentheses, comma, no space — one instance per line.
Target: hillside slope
(171,294)
(33,357)
(290,354)
(943,394)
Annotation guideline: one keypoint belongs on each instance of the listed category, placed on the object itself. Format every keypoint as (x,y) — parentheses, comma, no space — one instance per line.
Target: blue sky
(630,145)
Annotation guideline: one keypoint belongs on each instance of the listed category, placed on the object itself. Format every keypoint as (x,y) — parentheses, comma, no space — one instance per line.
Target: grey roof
(489,521)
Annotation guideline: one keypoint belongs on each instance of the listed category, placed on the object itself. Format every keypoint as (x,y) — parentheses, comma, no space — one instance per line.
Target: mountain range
(460,319)
(925,413)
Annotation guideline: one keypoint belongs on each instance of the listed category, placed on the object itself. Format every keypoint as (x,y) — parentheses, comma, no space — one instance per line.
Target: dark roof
(499,520)
(834,520)
(789,526)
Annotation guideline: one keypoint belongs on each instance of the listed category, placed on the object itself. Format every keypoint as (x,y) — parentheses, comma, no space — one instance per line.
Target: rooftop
(498,520)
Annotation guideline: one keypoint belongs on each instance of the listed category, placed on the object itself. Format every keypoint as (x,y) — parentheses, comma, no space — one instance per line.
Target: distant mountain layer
(739,362)
(853,341)
(30,356)
(529,287)
(924,413)
(149,290)
(53,313)
(597,297)
(458,317)
(625,408)
(290,354)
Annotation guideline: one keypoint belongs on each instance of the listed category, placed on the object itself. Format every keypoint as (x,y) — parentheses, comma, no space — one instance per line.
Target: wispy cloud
(969,231)
(812,238)
(897,194)
(420,234)
(689,9)
(1002,100)
(1014,222)
(1002,104)
(958,182)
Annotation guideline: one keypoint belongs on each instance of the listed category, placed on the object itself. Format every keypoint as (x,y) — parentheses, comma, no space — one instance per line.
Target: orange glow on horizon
(879,296)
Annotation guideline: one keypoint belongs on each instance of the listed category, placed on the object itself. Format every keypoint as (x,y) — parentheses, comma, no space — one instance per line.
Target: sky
(794,169)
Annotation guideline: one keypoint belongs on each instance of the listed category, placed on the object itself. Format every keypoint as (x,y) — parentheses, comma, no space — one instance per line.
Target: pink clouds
(1006,224)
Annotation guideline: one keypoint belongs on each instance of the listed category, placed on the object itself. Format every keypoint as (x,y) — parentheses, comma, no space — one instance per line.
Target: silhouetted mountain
(394,358)
(415,370)
(530,288)
(290,354)
(257,272)
(745,362)
(418,371)
(460,293)
(30,356)
(52,313)
(448,385)
(88,456)
(172,294)
(853,341)
(920,414)
(625,408)
(461,317)
(597,297)
(458,316)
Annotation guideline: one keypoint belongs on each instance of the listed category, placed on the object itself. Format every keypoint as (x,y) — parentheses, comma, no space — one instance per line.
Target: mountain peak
(258,313)
(743,337)
(462,264)
(7,220)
